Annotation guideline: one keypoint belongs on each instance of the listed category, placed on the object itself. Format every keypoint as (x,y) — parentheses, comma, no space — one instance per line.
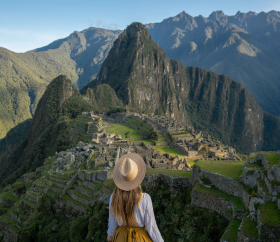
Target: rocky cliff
(148,81)
(244,47)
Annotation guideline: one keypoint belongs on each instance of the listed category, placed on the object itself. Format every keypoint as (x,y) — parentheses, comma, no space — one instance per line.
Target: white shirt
(145,217)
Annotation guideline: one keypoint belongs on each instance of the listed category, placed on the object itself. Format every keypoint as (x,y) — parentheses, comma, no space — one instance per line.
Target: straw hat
(129,171)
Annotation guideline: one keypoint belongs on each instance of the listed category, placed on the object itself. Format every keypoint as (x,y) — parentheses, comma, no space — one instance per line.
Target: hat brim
(129,185)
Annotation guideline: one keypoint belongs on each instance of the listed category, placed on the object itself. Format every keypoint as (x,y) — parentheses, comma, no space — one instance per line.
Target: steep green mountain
(25,76)
(60,103)
(148,81)
(244,47)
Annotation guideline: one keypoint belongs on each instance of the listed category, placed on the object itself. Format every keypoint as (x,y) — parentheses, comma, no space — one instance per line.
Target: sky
(29,24)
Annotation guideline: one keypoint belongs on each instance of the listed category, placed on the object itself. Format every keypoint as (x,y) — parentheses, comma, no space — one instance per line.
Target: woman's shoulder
(146,196)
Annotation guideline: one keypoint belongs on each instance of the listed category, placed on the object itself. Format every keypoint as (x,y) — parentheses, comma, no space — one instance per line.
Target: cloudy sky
(29,24)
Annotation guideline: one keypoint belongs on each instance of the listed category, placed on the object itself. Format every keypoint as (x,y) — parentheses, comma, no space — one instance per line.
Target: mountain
(59,105)
(146,80)
(245,47)
(25,76)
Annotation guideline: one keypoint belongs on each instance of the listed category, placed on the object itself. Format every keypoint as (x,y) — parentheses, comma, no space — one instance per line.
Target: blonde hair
(123,204)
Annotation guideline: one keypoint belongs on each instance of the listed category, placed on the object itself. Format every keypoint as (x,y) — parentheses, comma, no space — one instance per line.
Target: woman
(131,215)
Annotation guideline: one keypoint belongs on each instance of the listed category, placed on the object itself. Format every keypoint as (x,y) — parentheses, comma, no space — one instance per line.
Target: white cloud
(101,24)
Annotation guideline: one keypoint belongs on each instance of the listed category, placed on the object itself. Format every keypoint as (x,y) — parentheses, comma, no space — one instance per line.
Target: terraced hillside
(136,131)
(79,130)
(227,191)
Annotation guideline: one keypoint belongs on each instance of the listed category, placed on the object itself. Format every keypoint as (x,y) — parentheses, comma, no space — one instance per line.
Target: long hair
(123,204)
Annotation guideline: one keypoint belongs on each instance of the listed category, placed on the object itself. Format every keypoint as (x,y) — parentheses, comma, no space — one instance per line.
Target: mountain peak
(217,15)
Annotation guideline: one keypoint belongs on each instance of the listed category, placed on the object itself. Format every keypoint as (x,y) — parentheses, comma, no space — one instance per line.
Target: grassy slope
(232,169)
(269,213)
(23,80)
(121,129)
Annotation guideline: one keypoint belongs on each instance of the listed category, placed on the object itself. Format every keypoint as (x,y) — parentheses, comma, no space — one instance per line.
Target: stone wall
(181,149)
(10,235)
(77,198)
(95,176)
(141,132)
(175,182)
(143,129)
(225,208)
(161,143)
(7,202)
(75,206)
(223,183)
(130,125)
(70,183)
(109,120)
(269,233)
(84,191)
(118,154)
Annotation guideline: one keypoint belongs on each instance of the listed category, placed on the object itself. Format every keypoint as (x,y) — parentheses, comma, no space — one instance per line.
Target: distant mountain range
(245,47)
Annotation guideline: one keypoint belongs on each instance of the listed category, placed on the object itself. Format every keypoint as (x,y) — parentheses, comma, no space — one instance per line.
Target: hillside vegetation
(59,105)
(25,76)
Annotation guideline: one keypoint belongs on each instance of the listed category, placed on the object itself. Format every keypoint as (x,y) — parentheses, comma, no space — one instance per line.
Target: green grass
(79,194)
(199,137)
(147,142)
(218,193)
(171,151)
(67,196)
(231,233)
(30,175)
(134,121)
(5,218)
(52,192)
(160,135)
(232,169)
(263,186)
(272,157)
(87,189)
(19,184)
(174,173)
(12,211)
(269,213)
(252,156)
(15,229)
(121,129)
(9,195)
(249,228)
(160,141)
(57,187)
(110,184)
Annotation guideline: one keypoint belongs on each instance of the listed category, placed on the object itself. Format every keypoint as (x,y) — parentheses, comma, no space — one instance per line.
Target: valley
(206,124)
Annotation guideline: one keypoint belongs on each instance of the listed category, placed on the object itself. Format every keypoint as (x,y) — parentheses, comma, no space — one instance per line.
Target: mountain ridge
(244,47)
(148,81)
(24,76)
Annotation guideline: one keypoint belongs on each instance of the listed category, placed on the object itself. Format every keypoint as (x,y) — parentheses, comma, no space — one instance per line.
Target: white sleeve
(113,223)
(150,222)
